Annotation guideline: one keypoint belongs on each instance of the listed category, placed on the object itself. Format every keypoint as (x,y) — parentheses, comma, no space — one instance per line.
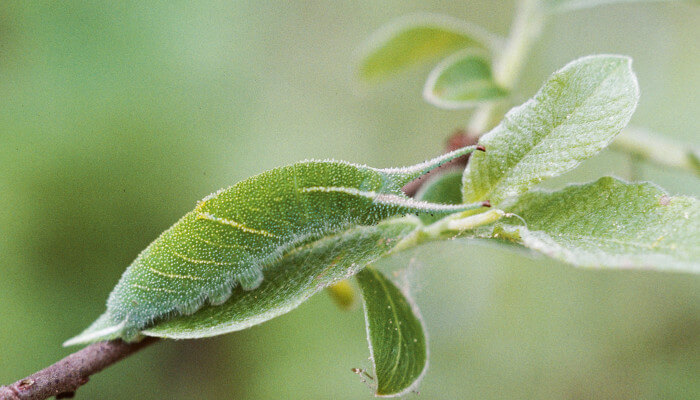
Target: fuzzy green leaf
(416,39)
(610,223)
(462,80)
(395,334)
(575,114)
(243,235)
(569,5)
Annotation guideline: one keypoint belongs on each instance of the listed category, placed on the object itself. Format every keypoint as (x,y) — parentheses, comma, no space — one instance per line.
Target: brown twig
(63,378)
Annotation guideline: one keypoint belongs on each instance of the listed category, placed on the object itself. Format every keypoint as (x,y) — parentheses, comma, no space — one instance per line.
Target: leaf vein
(167,275)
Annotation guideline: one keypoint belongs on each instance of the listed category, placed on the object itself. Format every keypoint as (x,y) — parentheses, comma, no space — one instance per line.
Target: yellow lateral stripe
(232,246)
(150,289)
(167,275)
(341,189)
(235,224)
(196,261)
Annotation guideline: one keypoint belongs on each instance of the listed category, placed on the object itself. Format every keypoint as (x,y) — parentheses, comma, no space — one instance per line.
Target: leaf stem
(527,26)
(646,146)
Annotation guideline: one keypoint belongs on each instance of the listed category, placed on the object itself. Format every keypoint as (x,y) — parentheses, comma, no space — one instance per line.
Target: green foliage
(416,39)
(577,112)
(395,333)
(262,247)
(610,223)
(119,116)
(462,80)
(236,233)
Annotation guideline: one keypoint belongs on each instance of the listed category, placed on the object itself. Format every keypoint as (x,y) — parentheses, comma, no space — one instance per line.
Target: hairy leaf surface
(462,80)
(395,333)
(235,236)
(575,114)
(416,39)
(611,223)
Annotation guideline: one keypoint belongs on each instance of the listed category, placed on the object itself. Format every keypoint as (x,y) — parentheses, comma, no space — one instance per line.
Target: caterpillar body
(234,234)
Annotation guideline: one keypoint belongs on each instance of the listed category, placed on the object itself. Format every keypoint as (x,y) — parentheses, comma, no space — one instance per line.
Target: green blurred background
(116,117)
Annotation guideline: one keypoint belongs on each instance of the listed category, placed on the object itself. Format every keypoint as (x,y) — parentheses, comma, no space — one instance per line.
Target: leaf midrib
(380,279)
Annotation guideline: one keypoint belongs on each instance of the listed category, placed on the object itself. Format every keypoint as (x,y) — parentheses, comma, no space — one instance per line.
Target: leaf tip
(623,61)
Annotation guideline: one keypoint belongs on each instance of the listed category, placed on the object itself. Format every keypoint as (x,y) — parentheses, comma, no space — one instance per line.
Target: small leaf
(238,237)
(462,80)
(575,114)
(395,334)
(611,223)
(570,5)
(415,39)
(444,188)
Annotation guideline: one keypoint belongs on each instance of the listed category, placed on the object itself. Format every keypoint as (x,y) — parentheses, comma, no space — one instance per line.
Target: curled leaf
(462,80)
(395,334)
(415,39)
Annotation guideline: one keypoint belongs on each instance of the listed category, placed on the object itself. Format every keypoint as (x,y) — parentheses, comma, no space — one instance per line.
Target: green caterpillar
(234,234)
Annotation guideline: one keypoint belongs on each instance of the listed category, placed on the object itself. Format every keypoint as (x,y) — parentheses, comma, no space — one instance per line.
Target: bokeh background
(116,117)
